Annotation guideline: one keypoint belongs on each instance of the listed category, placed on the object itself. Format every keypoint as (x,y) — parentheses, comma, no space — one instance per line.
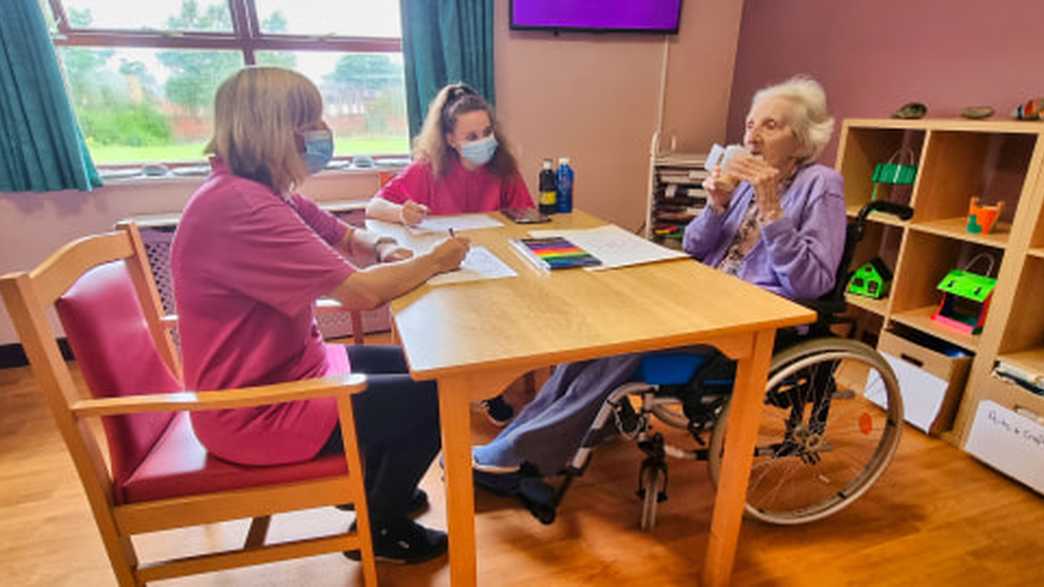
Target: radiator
(157,232)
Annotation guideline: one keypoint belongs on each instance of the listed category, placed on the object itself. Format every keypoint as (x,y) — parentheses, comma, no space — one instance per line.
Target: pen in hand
(451,233)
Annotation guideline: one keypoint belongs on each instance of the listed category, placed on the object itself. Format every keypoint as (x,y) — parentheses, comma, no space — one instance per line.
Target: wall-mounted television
(632,16)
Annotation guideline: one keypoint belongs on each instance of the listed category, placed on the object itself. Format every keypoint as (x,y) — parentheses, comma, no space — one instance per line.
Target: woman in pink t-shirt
(249,259)
(461,163)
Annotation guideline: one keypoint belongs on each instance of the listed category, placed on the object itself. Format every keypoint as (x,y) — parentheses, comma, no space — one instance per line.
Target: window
(142,75)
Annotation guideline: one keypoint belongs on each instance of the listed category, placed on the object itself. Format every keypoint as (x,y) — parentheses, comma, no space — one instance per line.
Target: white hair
(809,118)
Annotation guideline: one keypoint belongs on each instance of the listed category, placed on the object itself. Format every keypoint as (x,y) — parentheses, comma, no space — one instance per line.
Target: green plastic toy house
(965,301)
(872,280)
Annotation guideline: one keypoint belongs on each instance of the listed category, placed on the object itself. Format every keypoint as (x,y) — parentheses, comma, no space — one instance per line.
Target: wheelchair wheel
(652,484)
(830,425)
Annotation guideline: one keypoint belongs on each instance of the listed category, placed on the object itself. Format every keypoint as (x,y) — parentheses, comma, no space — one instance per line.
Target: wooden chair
(161,477)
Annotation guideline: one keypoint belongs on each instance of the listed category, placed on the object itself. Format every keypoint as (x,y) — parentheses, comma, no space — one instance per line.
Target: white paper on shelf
(614,246)
(479,264)
(458,223)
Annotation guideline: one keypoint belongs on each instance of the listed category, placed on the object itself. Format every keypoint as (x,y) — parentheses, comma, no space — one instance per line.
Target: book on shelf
(554,252)
(1028,380)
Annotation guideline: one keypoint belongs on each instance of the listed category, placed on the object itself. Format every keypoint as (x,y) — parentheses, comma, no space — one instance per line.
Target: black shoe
(417,506)
(498,411)
(405,542)
(502,484)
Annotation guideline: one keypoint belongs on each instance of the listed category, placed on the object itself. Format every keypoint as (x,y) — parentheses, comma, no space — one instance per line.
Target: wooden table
(475,338)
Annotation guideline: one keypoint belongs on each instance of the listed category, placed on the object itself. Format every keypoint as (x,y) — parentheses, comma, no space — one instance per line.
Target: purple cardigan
(797,255)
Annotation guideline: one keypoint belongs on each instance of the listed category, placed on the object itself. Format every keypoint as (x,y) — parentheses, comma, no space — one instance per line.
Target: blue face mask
(319,148)
(481,151)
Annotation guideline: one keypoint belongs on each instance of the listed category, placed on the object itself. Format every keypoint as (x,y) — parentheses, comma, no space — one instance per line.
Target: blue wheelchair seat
(671,368)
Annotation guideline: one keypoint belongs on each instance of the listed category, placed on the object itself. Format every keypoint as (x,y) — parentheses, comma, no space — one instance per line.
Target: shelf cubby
(921,319)
(1025,325)
(879,240)
(958,165)
(861,150)
(926,259)
(1028,360)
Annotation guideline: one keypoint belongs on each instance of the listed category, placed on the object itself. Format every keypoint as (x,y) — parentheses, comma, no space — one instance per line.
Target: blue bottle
(564,183)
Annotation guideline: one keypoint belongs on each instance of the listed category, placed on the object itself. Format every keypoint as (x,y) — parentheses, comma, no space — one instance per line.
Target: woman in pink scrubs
(461,163)
(250,258)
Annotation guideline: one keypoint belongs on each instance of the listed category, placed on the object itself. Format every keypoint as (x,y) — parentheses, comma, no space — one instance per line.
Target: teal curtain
(41,146)
(445,41)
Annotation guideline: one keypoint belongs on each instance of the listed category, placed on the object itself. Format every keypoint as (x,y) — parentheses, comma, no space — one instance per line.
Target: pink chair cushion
(178,465)
(106,329)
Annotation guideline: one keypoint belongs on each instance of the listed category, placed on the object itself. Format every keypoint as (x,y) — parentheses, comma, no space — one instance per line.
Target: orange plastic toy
(982,218)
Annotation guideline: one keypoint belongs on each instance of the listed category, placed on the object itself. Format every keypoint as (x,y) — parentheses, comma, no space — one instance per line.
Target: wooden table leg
(455,416)
(729,502)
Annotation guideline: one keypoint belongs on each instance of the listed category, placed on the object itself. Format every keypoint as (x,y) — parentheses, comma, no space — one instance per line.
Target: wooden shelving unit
(957,159)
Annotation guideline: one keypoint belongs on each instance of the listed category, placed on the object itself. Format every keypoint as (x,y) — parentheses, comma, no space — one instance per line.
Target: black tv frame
(556,30)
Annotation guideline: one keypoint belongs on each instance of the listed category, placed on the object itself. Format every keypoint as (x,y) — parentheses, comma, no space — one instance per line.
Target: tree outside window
(145,96)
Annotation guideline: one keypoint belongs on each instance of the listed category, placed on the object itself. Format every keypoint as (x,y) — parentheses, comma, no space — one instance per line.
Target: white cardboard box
(1009,442)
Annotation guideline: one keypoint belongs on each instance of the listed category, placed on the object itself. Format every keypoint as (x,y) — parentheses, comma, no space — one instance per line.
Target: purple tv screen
(597,15)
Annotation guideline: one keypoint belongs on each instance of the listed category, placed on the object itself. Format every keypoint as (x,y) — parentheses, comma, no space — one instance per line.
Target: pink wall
(595,98)
(873,56)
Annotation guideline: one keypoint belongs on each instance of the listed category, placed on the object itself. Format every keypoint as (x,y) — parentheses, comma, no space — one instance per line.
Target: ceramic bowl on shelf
(911,110)
(977,112)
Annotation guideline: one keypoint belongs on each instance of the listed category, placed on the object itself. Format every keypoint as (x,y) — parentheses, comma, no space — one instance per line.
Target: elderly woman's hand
(720,187)
(765,180)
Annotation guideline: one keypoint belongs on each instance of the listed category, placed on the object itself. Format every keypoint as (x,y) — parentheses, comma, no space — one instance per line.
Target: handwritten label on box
(1009,442)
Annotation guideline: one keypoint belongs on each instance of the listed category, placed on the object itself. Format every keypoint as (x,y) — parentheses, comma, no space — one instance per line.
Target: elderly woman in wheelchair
(832,412)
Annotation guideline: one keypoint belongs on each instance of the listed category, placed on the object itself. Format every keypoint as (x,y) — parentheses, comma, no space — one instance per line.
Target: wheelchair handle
(903,211)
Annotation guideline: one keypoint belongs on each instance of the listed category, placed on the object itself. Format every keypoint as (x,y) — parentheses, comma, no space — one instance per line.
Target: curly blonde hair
(256,112)
(449,104)
(813,126)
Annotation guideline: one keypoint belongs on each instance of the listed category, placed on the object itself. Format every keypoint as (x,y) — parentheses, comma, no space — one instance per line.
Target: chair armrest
(222,399)
(170,321)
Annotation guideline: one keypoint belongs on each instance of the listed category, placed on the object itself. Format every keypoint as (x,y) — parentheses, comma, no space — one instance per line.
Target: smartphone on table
(526,215)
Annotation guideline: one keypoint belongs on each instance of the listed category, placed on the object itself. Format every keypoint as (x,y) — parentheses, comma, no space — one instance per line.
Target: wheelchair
(830,426)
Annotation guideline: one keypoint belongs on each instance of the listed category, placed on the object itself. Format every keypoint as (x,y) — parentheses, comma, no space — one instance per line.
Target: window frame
(246,36)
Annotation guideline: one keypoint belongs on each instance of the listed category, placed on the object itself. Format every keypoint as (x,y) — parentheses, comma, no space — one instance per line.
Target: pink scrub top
(248,266)
(459,190)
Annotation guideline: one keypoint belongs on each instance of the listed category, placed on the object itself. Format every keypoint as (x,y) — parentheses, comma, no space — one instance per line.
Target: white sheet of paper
(458,223)
(614,246)
(479,264)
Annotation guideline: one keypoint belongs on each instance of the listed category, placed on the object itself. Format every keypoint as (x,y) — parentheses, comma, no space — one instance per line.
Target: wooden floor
(937,517)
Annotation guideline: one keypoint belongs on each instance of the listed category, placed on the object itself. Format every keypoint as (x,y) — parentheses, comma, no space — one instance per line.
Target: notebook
(555,252)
